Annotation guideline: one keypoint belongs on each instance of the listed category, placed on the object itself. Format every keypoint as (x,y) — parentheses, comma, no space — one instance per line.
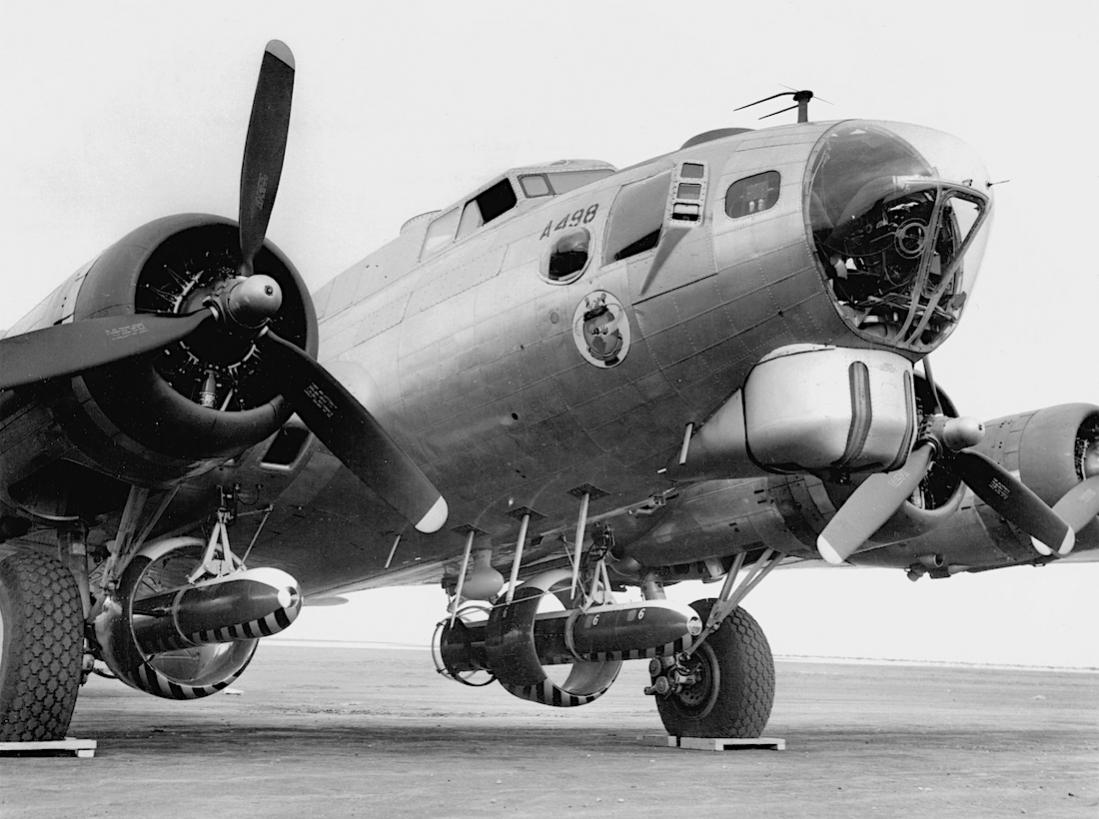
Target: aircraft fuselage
(479,359)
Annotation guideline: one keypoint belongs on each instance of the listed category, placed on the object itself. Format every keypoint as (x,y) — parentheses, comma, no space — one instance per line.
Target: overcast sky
(116,113)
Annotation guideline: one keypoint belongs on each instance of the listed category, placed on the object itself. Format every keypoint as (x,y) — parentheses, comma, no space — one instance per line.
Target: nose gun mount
(897,226)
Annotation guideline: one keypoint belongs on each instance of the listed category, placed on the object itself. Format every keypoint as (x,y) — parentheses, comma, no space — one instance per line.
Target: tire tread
(42,647)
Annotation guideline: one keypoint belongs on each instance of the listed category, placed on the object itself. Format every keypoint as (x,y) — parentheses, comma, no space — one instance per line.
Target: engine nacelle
(808,408)
(153,418)
(1053,448)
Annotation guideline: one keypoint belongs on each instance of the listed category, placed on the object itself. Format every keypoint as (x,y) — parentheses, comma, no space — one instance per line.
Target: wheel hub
(693,680)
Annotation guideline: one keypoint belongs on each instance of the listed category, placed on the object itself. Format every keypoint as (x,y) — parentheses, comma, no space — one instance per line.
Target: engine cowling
(178,411)
(1053,449)
(938,496)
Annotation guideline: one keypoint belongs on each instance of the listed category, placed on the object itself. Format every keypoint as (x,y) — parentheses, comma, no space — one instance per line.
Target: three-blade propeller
(947,440)
(331,412)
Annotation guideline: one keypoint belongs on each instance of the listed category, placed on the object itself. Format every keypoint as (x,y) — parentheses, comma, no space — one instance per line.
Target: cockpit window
(898,238)
(565,181)
(490,204)
(535,185)
(439,232)
(637,217)
(555,183)
(752,194)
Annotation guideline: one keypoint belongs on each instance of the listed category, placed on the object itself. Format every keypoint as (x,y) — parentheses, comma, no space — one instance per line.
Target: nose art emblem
(601,330)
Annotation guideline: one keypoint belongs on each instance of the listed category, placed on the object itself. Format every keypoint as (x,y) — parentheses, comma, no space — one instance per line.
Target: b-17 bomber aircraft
(571,381)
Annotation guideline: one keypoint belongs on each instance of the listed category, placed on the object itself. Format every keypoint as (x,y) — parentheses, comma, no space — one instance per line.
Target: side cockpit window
(566,181)
(636,218)
(490,204)
(753,194)
(439,232)
(555,183)
(535,185)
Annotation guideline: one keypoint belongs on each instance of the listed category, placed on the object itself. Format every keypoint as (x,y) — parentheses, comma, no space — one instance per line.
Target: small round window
(567,257)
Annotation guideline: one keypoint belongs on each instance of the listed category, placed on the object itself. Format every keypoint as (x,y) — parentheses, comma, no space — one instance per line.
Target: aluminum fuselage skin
(470,359)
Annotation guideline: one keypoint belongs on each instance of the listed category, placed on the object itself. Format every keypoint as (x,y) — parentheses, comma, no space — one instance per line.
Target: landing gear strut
(723,689)
(724,684)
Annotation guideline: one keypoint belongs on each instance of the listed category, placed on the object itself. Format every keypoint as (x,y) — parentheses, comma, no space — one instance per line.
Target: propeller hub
(960,433)
(251,302)
(953,434)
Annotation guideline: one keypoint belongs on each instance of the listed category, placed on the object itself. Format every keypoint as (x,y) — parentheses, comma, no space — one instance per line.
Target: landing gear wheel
(733,685)
(41,646)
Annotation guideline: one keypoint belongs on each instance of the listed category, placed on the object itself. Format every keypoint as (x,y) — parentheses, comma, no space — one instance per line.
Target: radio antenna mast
(801,102)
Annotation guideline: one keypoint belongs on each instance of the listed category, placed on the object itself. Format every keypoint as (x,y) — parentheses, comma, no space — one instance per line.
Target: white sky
(116,113)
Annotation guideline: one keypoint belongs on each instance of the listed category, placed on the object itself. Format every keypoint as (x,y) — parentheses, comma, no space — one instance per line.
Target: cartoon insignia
(601,329)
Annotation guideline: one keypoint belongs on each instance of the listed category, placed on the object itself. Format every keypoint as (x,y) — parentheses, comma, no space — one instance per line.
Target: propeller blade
(68,349)
(1011,498)
(264,148)
(353,435)
(1079,506)
(870,506)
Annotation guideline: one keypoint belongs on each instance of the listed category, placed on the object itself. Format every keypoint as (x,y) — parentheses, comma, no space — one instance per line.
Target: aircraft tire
(736,689)
(41,646)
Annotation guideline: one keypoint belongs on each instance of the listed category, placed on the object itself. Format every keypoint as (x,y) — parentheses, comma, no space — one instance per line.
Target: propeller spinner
(245,307)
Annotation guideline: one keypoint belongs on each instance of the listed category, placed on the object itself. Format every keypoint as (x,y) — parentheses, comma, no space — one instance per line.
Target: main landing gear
(724,684)
(723,689)
(41,618)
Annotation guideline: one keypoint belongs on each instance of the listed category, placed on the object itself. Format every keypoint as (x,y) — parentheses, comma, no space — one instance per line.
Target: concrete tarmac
(336,731)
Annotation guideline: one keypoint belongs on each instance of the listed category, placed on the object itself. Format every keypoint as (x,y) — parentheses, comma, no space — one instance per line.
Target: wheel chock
(83,748)
(719,743)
